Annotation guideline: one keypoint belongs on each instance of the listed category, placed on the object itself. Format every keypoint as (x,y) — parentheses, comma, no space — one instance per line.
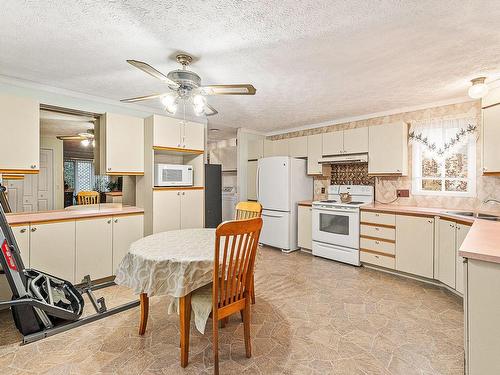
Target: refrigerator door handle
(269,215)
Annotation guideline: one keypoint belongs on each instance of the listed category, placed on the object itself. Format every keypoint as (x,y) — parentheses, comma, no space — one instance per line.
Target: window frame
(417,151)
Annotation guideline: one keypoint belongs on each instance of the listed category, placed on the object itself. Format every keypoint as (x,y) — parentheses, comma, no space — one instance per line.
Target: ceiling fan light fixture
(170,103)
(479,88)
(85,142)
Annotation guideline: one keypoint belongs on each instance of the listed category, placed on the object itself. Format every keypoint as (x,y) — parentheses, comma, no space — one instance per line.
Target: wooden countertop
(114,193)
(305,203)
(65,215)
(482,242)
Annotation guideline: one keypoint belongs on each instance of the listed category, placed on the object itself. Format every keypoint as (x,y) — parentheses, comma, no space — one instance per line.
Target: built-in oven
(336,226)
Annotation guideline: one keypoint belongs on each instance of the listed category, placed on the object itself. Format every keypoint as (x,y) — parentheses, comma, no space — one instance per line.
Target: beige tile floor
(313,316)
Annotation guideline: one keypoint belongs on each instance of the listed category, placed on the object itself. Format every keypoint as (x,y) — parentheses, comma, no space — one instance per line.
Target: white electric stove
(335,225)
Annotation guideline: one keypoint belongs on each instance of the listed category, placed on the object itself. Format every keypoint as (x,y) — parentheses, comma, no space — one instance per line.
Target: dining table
(173,263)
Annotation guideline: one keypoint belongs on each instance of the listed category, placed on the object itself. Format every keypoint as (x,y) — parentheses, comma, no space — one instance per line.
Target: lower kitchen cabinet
(461,233)
(94,243)
(446,252)
(177,209)
(22,236)
(52,248)
(192,206)
(415,245)
(126,229)
(304,227)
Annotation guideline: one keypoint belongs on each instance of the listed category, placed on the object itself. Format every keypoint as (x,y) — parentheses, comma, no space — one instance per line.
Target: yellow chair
(88,197)
(245,211)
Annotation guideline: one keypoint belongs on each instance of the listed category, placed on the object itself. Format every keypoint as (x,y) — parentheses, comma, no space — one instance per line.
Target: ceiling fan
(185,85)
(87,137)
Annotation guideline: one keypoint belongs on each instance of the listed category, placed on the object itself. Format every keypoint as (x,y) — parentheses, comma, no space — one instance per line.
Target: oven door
(339,227)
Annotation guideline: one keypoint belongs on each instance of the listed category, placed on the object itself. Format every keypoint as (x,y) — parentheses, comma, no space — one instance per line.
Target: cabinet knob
(116,220)
(377,242)
(485,169)
(376,256)
(23,230)
(109,221)
(33,229)
(183,193)
(377,228)
(178,145)
(178,193)
(33,166)
(109,168)
(377,215)
(184,146)
(452,225)
(430,221)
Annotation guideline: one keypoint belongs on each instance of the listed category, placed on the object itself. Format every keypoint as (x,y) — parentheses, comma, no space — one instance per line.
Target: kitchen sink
(473,214)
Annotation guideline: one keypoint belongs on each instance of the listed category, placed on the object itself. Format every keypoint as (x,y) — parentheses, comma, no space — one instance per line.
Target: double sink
(474,215)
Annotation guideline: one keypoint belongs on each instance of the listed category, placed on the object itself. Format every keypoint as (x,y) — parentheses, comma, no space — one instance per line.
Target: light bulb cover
(199,100)
(478,89)
(171,108)
(85,142)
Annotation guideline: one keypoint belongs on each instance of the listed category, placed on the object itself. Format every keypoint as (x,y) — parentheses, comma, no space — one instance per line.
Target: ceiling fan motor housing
(185,78)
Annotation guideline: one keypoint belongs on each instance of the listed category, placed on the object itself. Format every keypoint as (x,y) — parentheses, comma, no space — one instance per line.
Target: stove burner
(355,202)
(328,201)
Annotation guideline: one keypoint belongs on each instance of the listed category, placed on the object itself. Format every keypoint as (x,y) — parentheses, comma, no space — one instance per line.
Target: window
(452,173)
(79,176)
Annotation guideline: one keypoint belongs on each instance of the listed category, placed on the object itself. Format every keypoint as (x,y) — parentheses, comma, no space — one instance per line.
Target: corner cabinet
(255,149)
(121,145)
(314,153)
(446,253)
(491,135)
(177,209)
(20,151)
(388,150)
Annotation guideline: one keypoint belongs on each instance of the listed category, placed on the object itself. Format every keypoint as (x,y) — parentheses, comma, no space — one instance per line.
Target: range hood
(344,159)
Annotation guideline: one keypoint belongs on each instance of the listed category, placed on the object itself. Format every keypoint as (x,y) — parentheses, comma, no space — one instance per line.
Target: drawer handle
(376,256)
(377,228)
(377,215)
(116,220)
(23,230)
(378,243)
(109,221)
(33,229)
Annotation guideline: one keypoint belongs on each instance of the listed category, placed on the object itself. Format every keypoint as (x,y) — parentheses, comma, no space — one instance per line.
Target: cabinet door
(255,149)
(297,147)
(491,135)
(415,245)
(333,143)
(167,131)
(252,180)
(461,233)
(281,147)
(356,140)
(192,209)
(446,253)
(304,224)
(124,144)
(126,229)
(21,116)
(314,147)
(22,236)
(166,210)
(52,249)
(94,248)
(388,149)
(193,137)
(268,148)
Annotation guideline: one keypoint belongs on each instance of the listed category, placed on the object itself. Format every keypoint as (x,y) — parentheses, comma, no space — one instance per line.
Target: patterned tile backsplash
(351,174)
(385,187)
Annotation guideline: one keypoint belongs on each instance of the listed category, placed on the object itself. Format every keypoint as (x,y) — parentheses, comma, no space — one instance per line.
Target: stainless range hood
(344,159)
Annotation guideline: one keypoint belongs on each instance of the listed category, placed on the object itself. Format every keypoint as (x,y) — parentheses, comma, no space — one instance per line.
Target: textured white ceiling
(311,61)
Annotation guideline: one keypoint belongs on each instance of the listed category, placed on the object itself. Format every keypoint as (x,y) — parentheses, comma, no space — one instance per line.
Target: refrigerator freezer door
(273,180)
(276,229)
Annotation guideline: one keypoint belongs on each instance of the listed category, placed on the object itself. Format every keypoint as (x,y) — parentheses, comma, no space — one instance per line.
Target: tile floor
(313,316)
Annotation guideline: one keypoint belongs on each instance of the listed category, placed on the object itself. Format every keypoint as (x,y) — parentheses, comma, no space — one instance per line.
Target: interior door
(273,181)
(45,192)
(30,193)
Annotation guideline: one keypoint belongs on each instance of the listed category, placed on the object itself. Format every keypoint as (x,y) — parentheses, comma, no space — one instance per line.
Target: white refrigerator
(281,183)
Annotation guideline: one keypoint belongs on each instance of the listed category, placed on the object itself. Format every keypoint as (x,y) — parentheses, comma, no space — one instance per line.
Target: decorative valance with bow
(442,137)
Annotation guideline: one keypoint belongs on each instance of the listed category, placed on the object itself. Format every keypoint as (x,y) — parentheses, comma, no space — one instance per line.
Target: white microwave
(173,175)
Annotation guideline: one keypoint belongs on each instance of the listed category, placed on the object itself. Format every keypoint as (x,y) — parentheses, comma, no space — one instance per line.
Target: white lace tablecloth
(169,263)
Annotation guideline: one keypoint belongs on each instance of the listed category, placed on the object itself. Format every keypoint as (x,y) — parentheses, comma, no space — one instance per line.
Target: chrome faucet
(491,200)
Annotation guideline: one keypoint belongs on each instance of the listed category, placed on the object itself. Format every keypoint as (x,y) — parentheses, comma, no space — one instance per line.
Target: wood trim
(175,149)
(13,177)
(125,173)
(178,188)
(377,238)
(378,225)
(418,214)
(387,212)
(19,225)
(491,173)
(19,171)
(108,215)
(55,221)
(385,174)
(377,252)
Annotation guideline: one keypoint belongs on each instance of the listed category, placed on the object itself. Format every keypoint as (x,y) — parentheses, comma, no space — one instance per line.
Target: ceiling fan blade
(152,71)
(140,98)
(70,137)
(243,89)
(209,110)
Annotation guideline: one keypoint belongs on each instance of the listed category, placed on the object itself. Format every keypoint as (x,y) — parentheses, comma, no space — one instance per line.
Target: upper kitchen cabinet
(297,147)
(350,141)
(20,151)
(255,149)
(121,144)
(388,150)
(170,132)
(333,143)
(314,152)
(275,148)
(491,135)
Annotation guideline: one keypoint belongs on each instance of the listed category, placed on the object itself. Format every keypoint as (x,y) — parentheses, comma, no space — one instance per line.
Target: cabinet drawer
(378,218)
(380,246)
(378,260)
(378,232)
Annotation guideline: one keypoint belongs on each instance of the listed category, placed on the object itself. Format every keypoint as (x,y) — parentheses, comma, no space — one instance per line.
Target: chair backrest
(88,197)
(248,210)
(235,250)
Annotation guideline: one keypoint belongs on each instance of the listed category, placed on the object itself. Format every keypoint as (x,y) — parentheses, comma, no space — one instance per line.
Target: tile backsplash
(385,187)
(350,174)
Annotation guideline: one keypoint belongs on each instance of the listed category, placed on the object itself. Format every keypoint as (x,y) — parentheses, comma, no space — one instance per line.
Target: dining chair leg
(184,325)
(252,289)
(246,327)
(215,344)
(144,299)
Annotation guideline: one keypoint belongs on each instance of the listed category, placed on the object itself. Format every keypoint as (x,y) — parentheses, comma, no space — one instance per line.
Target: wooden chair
(235,250)
(88,197)
(249,210)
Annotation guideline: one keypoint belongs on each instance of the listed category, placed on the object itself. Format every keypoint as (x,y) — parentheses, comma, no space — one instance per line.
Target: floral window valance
(442,137)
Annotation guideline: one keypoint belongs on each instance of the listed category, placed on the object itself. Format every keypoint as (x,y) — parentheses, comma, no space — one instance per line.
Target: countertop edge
(415,210)
(482,242)
(305,203)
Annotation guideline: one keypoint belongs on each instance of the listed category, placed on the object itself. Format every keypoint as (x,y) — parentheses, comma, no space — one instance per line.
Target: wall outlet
(323,190)
(403,193)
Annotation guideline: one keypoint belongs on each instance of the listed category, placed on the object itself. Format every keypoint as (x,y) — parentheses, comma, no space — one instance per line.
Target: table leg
(184,323)
(144,313)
